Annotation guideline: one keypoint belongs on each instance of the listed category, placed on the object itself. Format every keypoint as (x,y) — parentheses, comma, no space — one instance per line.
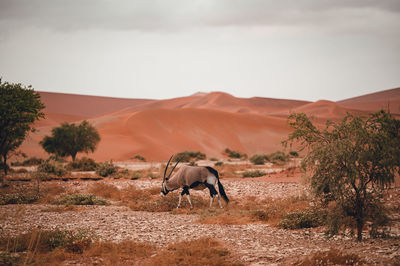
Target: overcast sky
(301,49)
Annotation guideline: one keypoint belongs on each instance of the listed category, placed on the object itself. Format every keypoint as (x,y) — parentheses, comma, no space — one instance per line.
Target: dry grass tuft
(107,191)
(49,192)
(330,257)
(204,251)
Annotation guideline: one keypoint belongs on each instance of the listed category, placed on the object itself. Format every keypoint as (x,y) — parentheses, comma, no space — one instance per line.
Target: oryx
(193,177)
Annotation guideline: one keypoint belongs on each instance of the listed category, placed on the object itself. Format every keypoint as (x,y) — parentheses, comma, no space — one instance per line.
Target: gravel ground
(255,244)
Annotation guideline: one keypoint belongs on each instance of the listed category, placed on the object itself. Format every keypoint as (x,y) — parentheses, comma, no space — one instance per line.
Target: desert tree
(350,164)
(69,139)
(20,107)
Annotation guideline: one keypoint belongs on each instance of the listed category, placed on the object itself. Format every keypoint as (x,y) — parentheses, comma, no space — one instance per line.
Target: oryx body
(193,177)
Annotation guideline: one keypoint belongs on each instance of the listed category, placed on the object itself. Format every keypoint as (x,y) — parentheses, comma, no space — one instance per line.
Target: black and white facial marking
(164,190)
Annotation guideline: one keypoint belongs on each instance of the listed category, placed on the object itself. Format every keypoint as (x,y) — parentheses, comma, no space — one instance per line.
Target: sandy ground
(254,244)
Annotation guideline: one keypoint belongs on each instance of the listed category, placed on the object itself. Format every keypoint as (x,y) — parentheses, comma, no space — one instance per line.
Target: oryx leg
(185,191)
(213,193)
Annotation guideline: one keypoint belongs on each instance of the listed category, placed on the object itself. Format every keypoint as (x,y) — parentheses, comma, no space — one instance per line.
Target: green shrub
(22,197)
(303,219)
(105,169)
(235,154)
(259,159)
(213,159)
(52,167)
(219,163)
(187,156)
(253,173)
(294,153)
(139,157)
(278,157)
(80,199)
(28,162)
(83,164)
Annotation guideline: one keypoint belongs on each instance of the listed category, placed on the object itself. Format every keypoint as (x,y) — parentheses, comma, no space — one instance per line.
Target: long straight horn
(166,167)
(174,168)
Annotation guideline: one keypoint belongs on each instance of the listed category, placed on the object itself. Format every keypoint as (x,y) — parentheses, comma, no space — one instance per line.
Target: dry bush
(122,253)
(49,192)
(149,200)
(19,193)
(330,257)
(252,210)
(40,249)
(62,208)
(204,251)
(104,190)
(80,199)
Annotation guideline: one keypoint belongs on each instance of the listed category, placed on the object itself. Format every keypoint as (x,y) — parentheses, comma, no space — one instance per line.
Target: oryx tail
(220,187)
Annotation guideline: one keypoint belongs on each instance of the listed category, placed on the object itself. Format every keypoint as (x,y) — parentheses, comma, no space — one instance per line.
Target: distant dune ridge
(208,122)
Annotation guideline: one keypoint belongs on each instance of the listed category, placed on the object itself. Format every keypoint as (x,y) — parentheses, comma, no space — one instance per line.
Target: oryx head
(164,190)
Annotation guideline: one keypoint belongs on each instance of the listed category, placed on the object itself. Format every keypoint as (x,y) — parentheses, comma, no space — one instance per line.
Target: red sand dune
(375,101)
(208,122)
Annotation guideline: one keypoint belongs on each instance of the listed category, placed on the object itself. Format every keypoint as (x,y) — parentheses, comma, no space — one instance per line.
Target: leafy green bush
(303,219)
(294,153)
(52,167)
(187,156)
(253,173)
(235,154)
(259,159)
(219,163)
(80,199)
(105,169)
(83,164)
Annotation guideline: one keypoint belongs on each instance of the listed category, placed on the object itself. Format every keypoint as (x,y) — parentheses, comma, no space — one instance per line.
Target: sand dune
(375,101)
(84,105)
(208,122)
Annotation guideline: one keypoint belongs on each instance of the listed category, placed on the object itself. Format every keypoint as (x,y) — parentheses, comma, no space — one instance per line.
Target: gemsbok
(193,177)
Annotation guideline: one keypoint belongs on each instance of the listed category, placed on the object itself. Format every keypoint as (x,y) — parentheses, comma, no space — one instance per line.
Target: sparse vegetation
(47,240)
(53,247)
(139,157)
(187,156)
(219,163)
(294,153)
(330,257)
(52,167)
(278,157)
(303,219)
(28,162)
(259,159)
(253,173)
(106,169)
(204,251)
(82,164)
(80,199)
(235,154)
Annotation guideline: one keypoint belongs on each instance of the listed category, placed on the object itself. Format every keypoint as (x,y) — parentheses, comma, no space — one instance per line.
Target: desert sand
(208,122)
